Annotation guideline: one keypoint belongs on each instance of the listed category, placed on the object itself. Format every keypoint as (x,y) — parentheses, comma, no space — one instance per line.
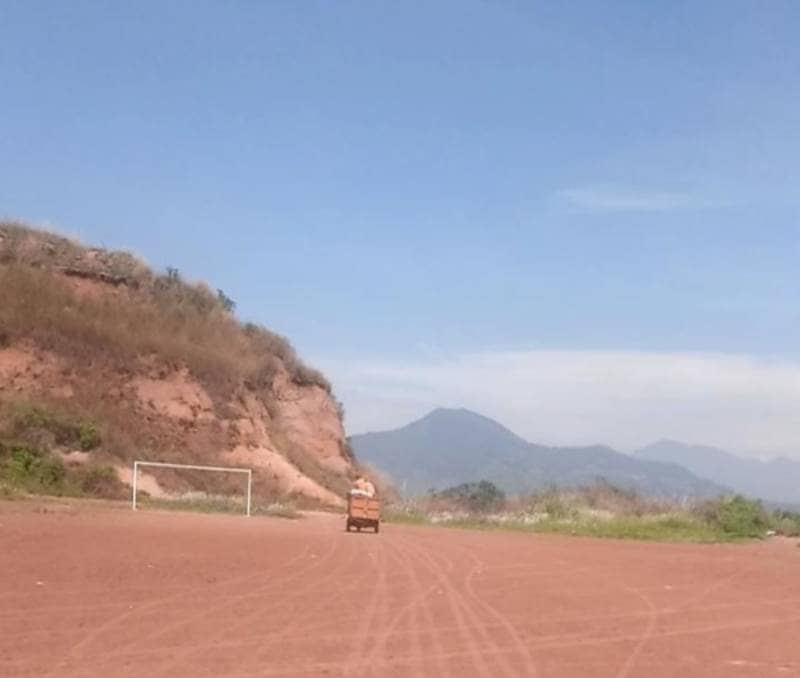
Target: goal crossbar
(191,467)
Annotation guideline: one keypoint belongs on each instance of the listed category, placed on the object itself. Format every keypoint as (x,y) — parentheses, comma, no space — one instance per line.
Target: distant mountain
(777,480)
(449,447)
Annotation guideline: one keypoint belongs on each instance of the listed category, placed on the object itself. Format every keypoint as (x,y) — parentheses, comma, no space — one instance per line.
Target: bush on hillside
(32,470)
(480,497)
(33,423)
(737,516)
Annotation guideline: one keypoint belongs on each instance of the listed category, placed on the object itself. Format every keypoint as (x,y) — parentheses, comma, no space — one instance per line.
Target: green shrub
(478,497)
(29,468)
(64,431)
(88,436)
(737,516)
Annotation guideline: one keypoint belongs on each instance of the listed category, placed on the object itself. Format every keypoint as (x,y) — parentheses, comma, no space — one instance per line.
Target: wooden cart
(363,512)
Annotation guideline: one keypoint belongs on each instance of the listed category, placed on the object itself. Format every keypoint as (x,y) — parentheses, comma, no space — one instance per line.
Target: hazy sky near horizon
(581,218)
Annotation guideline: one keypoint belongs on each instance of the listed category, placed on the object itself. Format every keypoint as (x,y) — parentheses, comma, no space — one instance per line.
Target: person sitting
(363,487)
(360,487)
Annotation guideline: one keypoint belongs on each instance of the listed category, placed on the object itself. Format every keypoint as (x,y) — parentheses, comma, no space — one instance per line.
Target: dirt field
(104,592)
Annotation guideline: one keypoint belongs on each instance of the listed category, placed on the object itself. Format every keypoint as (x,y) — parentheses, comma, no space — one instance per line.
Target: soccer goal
(190,467)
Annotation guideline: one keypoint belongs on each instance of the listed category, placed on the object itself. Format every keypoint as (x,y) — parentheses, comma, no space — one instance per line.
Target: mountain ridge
(776,480)
(449,446)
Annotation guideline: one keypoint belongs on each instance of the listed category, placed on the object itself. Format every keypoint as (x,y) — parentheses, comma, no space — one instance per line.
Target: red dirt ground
(97,591)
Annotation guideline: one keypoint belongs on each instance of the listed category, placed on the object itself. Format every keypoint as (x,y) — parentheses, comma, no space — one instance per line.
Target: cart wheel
(377,528)
(347,526)
(358,528)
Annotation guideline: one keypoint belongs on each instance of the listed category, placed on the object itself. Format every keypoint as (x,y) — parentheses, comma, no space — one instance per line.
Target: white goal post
(192,467)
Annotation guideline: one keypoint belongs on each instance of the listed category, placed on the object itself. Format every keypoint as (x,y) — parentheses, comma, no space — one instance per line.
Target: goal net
(190,492)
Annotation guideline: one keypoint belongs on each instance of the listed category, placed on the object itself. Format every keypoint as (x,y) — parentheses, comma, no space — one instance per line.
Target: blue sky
(413,183)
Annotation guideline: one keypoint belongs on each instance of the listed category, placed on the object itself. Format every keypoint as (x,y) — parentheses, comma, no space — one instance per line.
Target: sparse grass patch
(218,504)
(197,504)
(100,481)
(278,510)
(667,528)
(405,516)
(664,528)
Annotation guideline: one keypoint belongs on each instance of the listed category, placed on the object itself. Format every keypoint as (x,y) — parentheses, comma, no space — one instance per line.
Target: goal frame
(219,469)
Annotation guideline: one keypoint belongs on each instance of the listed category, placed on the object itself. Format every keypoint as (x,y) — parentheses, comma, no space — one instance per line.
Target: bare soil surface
(91,590)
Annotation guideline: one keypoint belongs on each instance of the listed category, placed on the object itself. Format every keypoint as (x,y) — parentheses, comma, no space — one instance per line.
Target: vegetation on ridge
(181,322)
(597,510)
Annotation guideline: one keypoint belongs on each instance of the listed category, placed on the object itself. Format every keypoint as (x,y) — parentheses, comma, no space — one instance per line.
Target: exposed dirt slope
(161,368)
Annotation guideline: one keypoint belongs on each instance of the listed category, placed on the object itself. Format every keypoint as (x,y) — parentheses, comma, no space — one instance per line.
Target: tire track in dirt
(480,624)
(189,649)
(654,612)
(119,620)
(743,625)
(468,623)
(648,633)
(651,616)
(378,596)
(329,584)
(273,609)
(716,586)
(522,648)
(329,590)
(228,602)
(419,598)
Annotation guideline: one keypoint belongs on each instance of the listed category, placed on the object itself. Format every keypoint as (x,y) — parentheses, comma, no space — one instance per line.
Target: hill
(448,447)
(777,480)
(103,360)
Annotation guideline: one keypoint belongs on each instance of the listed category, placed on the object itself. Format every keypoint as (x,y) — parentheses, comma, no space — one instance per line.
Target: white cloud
(607,199)
(625,399)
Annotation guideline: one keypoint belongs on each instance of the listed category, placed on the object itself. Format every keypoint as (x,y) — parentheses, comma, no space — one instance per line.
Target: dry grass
(147,314)
(309,466)
(218,350)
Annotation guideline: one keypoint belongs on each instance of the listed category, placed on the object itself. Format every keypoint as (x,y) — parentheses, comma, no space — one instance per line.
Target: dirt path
(104,592)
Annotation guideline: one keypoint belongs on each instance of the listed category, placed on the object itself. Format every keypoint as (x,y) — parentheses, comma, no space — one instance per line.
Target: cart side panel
(364,508)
